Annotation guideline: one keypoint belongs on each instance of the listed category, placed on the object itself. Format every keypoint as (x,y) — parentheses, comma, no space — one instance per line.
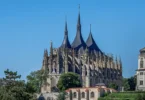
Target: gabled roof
(66,43)
(78,41)
(91,43)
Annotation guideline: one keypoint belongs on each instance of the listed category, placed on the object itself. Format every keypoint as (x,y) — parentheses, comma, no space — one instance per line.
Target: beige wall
(98,92)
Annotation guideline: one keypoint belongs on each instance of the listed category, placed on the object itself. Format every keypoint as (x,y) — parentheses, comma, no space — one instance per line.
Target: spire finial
(50,43)
(79,17)
(116,58)
(120,60)
(66,31)
(65,18)
(79,7)
(51,48)
(90,28)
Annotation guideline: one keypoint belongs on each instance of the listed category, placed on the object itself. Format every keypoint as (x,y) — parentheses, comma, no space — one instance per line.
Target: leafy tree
(35,80)
(132,83)
(61,96)
(129,84)
(126,84)
(68,80)
(12,88)
(113,85)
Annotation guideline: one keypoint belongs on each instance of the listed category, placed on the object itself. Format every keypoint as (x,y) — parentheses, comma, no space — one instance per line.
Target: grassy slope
(122,96)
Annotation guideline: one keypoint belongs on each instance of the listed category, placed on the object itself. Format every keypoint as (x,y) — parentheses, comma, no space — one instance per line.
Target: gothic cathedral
(83,58)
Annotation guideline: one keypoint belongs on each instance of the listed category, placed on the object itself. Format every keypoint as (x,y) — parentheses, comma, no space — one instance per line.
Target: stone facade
(141,71)
(90,93)
(83,58)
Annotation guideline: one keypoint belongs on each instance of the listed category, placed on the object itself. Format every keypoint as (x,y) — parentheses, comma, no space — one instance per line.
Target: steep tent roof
(91,43)
(66,43)
(142,50)
(78,42)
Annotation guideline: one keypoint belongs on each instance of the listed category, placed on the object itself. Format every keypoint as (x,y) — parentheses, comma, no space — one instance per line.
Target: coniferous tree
(14,89)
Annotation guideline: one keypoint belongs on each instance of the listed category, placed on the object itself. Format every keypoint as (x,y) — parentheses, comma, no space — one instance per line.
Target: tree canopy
(36,79)
(113,85)
(129,84)
(12,88)
(61,96)
(132,83)
(68,80)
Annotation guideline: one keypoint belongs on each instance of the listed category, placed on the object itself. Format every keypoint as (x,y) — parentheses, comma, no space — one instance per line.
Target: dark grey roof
(142,50)
(78,41)
(100,84)
(66,43)
(91,43)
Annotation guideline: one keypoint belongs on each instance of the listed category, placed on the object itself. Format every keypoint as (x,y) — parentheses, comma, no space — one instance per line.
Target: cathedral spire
(90,28)
(79,21)
(120,63)
(51,48)
(91,43)
(65,43)
(78,42)
(45,53)
(66,31)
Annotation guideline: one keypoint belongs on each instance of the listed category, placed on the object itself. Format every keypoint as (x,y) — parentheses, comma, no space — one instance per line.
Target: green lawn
(124,96)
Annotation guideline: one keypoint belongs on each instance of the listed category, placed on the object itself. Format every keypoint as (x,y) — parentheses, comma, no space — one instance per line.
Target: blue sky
(28,26)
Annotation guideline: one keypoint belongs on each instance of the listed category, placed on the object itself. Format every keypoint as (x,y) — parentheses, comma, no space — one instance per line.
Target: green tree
(132,83)
(113,85)
(35,80)
(12,88)
(61,96)
(126,84)
(68,80)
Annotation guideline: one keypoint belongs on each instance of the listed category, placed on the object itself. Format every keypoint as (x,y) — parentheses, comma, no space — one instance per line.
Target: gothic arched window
(74,94)
(92,95)
(141,63)
(83,95)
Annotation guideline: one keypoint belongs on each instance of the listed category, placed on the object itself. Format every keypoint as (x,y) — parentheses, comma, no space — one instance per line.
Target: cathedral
(82,57)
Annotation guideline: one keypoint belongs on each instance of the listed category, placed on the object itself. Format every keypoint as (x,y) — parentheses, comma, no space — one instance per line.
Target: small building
(89,93)
(140,72)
